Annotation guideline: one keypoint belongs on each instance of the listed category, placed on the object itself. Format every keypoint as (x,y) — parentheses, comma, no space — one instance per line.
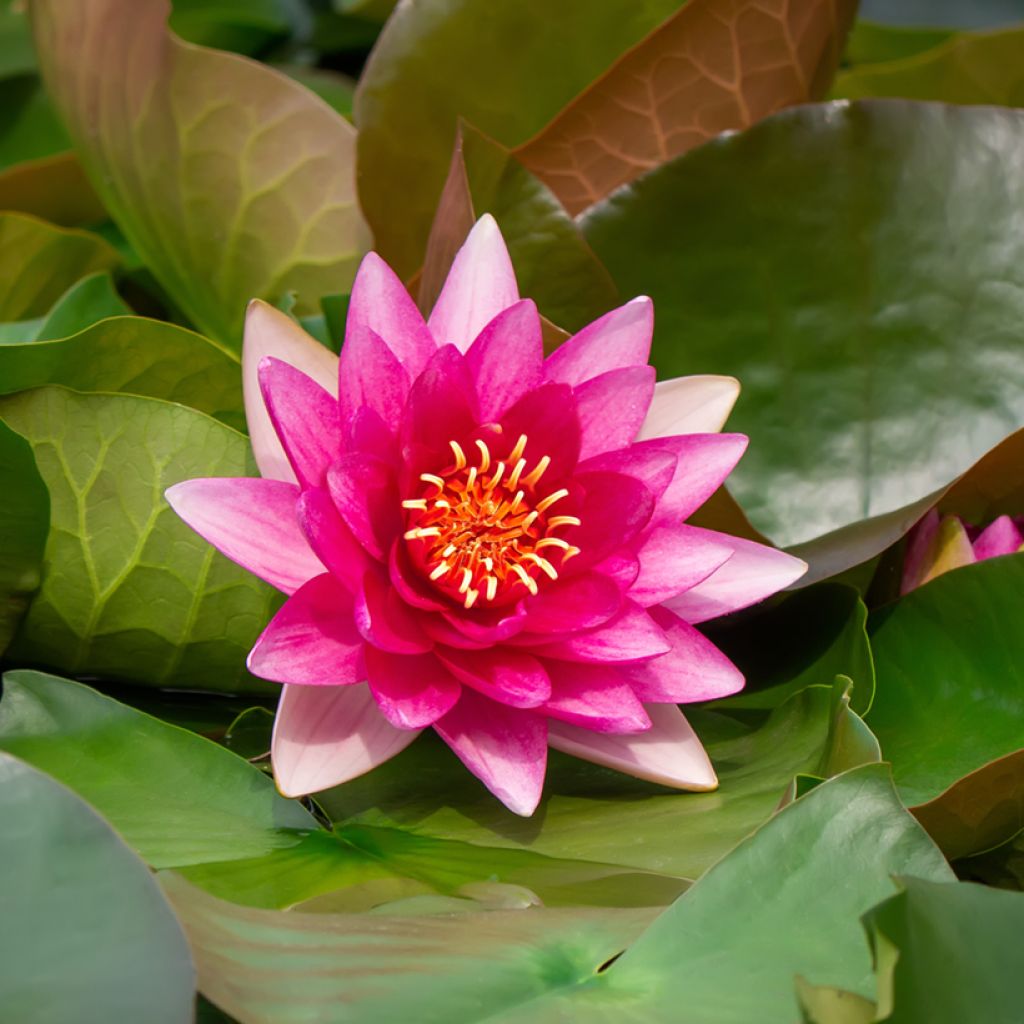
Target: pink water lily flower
(480,540)
(938,544)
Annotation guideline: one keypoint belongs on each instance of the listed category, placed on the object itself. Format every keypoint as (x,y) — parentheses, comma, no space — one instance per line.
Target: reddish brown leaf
(714,66)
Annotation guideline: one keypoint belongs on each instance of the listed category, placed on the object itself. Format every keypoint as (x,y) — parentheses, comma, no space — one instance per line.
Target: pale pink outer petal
(327,735)
(690,405)
(674,559)
(668,753)
(503,747)
(618,339)
(754,572)
(268,332)
(253,522)
(479,286)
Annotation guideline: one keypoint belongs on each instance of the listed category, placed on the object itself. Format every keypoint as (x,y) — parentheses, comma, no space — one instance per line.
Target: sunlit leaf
(130,592)
(231,180)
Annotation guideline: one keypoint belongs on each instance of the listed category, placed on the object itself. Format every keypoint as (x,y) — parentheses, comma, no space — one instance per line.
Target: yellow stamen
(537,472)
(460,455)
(513,479)
(563,521)
(419,503)
(541,506)
(485,455)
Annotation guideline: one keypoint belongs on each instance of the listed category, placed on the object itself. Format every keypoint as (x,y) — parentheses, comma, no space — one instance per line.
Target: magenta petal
(505,748)
(647,462)
(614,509)
(618,339)
(371,375)
(480,284)
(441,408)
(690,405)
(703,461)
(409,582)
(668,753)
(380,302)
(268,332)
(580,602)
(632,635)
(506,359)
(487,627)
(385,620)
(547,416)
(365,493)
(1000,537)
(368,434)
(754,572)
(595,697)
(305,417)
(331,539)
(252,521)
(505,675)
(312,640)
(412,692)
(622,567)
(695,669)
(612,407)
(327,735)
(674,559)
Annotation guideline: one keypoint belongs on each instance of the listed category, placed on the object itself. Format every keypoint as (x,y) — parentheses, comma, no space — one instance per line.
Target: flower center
(484,533)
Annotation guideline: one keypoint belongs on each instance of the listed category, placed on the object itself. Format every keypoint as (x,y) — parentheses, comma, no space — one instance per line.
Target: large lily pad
(586,810)
(228,178)
(129,591)
(87,933)
(840,260)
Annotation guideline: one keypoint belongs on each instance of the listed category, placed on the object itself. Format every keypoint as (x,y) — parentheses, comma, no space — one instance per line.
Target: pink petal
(622,567)
(331,539)
(441,408)
(365,493)
(690,405)
(613,510)
(412,692)
(305,417)
(409,582)
(612,408)
(486,628)
(385,620)
(371,375)
(368,434)
(547,416)
(595,697)
(268,332)
(674,559)
(327,735)
(380,302)
(252,521)
(505,675)
(703,461)
(503,747)
(618,339)
(649,462)
(479,286)
(580,602)
(754,572)
(695,669)
(916,559)
(1000,537)
(631,636)
(668,753)
(506,359)
(312,640)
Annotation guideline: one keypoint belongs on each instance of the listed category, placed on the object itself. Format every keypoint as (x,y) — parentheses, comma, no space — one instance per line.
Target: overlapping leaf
(231,180)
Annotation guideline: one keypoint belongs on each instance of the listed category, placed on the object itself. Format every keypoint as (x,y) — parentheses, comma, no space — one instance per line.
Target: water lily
(940,543)
(480,540)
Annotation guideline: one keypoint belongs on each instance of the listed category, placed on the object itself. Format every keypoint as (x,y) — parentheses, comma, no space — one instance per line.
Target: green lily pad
(88,935)
(130,592)
(950,667)
(587,810)
(948,953)
(839,260)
